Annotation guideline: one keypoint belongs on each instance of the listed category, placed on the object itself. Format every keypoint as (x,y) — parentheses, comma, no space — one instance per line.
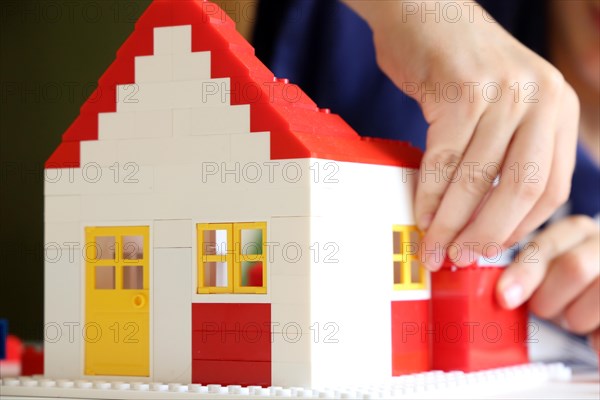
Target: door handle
(139,300)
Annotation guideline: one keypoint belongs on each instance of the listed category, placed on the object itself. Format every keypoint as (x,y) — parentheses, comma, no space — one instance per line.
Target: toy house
(206,222)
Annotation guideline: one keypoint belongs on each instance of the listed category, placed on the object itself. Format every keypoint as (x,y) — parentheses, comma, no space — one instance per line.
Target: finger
(563,163)
(568,275)
(446,143)
(524,275)
(583,315)
(514,197)
(474,177)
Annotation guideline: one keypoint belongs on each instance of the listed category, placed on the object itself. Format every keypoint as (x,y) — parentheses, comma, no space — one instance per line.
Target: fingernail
(425,221)
(453,254)
(492,252)
(468,257)
(513,296)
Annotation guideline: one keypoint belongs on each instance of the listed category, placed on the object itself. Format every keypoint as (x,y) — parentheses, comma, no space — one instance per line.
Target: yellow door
(116,330)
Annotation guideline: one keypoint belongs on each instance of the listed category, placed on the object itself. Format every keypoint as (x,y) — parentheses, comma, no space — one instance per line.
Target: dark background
(52,52)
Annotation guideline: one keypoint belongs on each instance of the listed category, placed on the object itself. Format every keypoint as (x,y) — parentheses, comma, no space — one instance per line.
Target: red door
(231,344)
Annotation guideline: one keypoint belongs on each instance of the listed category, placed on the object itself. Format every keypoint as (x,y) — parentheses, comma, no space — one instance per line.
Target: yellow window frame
(233,257)
(405,259)
(202,258)
(237,274)
(91,233)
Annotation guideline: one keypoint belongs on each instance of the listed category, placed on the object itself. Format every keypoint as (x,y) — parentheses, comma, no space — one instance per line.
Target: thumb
(528,270)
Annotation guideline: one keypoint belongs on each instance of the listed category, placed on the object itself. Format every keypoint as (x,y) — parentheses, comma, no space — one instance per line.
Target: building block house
(206,222)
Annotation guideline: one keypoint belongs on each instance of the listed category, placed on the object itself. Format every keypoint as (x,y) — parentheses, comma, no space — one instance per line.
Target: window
(408,274)
(232,258)
(117,257)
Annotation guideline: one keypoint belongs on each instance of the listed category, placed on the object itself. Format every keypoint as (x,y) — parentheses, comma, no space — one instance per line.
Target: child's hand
(559,274)
(493,106)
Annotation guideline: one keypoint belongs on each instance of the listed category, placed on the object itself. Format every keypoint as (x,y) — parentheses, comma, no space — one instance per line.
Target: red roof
(299,129)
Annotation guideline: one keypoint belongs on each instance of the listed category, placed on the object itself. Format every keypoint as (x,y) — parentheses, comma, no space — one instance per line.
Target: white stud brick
(522,381)
(191,66)
(172,233)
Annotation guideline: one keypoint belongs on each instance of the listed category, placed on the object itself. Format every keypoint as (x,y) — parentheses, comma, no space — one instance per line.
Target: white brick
(213,92)
(163,40)
(292,231)
(91,178)
(174,151)
(173,233)
(182,39)
(62,233)
(291,314)
(121,207)
(152,124)
(290,289)
(144,96)
(62,209)
(222,119)
(173,40)
(62,312)
(289,347)
(103,152)
(191,66)
(115,125)
(171,322)
(182,122)
(255,146)
(157,68)
(291,374)
(180,94)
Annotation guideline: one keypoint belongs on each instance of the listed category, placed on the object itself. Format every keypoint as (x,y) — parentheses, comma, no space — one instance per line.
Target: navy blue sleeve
(328,50)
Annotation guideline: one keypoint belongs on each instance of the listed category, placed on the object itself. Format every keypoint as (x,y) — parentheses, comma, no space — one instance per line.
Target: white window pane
(214,242)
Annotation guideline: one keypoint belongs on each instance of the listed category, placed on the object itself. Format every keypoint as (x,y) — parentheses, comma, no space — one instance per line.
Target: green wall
(51,55)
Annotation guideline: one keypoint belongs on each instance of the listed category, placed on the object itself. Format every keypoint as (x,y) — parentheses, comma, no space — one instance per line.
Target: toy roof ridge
(299,129)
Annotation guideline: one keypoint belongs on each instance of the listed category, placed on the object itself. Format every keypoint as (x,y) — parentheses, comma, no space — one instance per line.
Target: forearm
(409,13)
